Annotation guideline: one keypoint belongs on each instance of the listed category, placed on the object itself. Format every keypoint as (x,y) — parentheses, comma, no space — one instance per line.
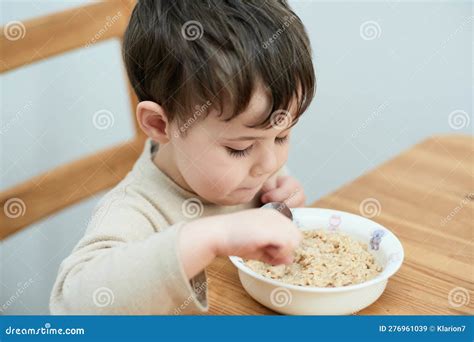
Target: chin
(230,201)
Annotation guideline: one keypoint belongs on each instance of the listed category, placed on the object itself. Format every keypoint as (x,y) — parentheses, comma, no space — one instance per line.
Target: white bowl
(306,300)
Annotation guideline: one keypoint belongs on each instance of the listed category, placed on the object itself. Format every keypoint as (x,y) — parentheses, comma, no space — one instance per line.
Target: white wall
(375,98)
(378,97)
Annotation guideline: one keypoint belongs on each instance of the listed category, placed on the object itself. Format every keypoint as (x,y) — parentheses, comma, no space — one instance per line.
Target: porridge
(324,259)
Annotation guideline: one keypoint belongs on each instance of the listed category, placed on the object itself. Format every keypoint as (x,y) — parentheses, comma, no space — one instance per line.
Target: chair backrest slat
(41,38)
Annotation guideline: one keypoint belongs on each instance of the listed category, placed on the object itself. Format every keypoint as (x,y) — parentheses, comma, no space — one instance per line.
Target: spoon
(281,207)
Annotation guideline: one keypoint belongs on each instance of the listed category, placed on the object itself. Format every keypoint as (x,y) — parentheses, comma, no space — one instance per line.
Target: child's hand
(260,234)
(285,189)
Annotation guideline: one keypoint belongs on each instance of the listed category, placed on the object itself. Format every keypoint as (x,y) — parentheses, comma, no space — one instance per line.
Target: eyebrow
(246,138)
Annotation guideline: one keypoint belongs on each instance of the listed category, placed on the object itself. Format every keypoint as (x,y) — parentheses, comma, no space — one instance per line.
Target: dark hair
(183,54)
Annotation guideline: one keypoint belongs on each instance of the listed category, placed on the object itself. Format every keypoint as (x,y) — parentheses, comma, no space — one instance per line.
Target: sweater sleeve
(124,266)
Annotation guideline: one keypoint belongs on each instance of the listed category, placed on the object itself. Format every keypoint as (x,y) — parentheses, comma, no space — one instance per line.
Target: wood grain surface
(426,198)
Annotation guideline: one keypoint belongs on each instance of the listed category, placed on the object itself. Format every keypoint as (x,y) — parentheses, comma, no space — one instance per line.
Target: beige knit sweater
(128,260)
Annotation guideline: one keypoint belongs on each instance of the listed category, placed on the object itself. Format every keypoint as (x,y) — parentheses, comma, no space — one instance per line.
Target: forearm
(107,276)
(198,244)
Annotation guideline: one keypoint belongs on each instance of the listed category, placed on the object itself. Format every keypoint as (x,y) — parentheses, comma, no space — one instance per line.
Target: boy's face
(226,162)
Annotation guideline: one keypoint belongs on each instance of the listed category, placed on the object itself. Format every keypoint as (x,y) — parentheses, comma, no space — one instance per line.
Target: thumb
(279,255)
(269,184)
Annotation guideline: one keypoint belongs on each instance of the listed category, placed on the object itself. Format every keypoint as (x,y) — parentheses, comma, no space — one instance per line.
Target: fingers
(287,234)
(269,184)
(276,256)
(265,235)
(279,192)
(283,252)
(277,261)
(271,257)
(287,190)
(298,199)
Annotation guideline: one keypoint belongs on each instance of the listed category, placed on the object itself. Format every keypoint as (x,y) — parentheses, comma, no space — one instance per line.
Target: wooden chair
(47,36)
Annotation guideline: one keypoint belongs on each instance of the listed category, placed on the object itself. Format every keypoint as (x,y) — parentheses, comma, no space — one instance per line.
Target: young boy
(220,85)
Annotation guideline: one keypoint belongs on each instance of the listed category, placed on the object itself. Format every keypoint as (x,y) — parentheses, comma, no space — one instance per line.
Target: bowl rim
(237,261)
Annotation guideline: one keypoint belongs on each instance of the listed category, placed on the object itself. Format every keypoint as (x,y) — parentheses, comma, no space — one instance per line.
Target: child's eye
(238,153)
(281,140)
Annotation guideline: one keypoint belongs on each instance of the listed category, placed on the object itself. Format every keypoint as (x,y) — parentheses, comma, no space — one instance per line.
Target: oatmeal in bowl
(341,266)
(324,259)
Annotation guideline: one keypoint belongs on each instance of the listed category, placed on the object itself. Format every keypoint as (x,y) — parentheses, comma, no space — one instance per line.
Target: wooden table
(426,197)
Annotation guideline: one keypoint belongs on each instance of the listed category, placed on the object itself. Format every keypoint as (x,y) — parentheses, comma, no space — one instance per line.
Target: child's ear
(153,121)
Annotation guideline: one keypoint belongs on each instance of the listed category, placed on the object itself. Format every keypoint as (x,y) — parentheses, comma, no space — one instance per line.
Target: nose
(266,164)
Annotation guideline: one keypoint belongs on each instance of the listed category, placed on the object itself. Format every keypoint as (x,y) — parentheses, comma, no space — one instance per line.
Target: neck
(164,160)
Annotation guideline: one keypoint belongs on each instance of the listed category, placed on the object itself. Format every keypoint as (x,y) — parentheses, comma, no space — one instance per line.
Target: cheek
(208,170)
(283,155)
